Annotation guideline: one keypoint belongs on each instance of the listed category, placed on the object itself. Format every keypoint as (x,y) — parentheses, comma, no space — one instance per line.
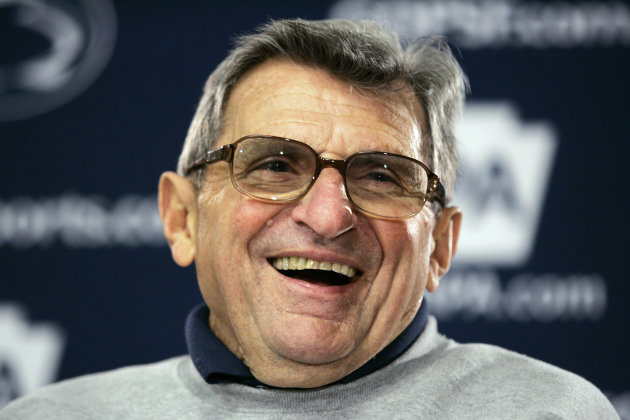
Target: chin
(312,346)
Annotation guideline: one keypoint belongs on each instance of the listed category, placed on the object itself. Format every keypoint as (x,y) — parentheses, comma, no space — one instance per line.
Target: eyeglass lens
(378,183)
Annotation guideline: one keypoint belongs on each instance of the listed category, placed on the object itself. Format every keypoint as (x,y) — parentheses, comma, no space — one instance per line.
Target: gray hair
(361,53)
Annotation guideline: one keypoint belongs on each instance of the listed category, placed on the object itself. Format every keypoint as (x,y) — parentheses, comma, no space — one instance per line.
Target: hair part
(360,53)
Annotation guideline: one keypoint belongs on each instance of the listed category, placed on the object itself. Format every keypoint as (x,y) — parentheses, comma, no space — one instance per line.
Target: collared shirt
(217,364)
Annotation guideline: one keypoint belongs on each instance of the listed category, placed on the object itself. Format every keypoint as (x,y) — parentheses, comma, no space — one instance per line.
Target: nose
(326,208)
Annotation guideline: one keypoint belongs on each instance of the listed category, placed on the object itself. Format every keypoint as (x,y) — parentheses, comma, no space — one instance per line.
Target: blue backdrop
(95,101)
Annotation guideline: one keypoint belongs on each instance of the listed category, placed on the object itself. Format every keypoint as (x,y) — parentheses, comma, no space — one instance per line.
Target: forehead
(286,99)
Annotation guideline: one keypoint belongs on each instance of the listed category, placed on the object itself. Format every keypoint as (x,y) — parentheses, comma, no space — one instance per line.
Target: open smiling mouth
(317,272)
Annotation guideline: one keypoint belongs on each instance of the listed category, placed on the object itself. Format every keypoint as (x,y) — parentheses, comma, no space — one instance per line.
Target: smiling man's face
(297,328)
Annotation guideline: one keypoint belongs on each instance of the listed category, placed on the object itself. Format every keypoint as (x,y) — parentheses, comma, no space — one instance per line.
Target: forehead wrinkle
(319,133)
(395,117)
(294,129)
(340,105)
(327,94)
(395,114)
(318,99)
(393,122)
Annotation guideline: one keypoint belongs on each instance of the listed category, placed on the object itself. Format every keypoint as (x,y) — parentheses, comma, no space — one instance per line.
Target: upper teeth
(301,263)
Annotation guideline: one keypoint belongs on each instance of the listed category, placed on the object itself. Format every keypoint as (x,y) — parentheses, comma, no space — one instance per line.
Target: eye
(273,166)
(273,169)
(377,174)
(379,177)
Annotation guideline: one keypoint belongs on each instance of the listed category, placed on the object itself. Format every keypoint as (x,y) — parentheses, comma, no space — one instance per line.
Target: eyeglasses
(278,170)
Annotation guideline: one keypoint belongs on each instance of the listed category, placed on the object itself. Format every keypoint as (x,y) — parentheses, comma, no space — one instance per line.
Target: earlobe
(177,205)
(445,236)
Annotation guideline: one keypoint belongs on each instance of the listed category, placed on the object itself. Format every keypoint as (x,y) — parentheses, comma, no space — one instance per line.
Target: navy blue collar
(217,364)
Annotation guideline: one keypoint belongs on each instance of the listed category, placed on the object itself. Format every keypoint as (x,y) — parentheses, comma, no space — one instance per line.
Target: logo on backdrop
(53,50)
(499,23)
(506,165)
(30,353)
(504,173)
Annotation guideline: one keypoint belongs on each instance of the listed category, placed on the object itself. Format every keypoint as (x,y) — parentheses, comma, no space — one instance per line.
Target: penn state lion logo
(51,51)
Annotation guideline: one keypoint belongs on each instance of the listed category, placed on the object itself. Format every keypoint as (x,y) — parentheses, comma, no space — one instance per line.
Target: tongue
(319,277)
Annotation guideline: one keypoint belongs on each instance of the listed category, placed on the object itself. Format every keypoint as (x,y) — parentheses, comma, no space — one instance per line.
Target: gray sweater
(436,378)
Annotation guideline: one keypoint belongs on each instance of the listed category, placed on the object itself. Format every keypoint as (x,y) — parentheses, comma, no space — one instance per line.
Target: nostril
(326,208)
(350,224)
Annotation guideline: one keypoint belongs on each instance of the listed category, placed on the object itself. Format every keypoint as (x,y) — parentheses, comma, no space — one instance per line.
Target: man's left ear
(445,236)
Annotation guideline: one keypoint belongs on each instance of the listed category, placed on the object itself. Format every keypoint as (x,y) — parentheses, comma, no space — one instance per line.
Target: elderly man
(312,194)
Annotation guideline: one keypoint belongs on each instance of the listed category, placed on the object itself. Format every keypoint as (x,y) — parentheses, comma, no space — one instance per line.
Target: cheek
(403,243)
(418,235)
(227,222)
(405,266)
(419,231)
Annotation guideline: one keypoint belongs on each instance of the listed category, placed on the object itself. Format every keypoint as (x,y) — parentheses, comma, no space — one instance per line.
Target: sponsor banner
(499,23)
(539,140)
(474,295)
(78,221)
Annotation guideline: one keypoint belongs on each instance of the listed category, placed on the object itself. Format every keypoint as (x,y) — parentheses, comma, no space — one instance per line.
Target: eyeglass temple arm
(216,155)
(438,193)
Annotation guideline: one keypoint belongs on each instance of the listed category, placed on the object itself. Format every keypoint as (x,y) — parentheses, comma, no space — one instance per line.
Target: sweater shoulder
(485,377)
(83,396)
